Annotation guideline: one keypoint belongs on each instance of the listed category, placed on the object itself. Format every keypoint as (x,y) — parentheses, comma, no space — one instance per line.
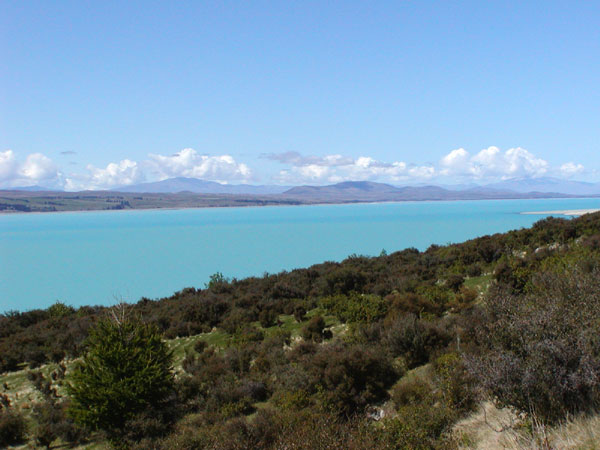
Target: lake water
(102,257)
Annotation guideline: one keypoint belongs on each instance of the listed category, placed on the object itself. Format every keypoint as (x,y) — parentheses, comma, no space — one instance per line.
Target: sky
(102,94)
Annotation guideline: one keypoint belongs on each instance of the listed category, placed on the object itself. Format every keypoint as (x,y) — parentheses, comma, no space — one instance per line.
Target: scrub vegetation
(394,351)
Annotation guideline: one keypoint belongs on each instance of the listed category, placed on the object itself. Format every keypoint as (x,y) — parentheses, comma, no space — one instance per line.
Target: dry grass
(582,433)
(485,428)
(494,429)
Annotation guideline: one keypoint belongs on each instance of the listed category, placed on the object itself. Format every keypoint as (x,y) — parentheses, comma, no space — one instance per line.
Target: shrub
(455,383)
(238,319)
(355,307)
(200,346)
(541,351)
(454,282)
(474,270)
(315,329)
(466,296)
(299,313)
(413,391)
(419,426)
(312,430)
(298,399)
(13,428)
(126,370)
(59,309)
(267,318)
(348,378)
(415,340)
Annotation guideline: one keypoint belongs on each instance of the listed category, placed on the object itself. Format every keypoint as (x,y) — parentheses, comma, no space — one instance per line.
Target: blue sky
(102,94)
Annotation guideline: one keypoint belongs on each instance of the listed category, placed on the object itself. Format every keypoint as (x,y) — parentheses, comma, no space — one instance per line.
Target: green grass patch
(217,338)
(480,283)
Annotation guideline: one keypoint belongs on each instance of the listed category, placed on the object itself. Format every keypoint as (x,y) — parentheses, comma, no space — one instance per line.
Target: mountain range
(545,185)
(360,191)
(367,191)
(372,191)
(198,186)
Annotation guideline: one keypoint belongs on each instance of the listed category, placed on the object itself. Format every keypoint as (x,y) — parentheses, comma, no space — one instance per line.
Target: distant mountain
(371,191)
(547,184)
(365,191)
(198,186)
(31,189)
(350,189)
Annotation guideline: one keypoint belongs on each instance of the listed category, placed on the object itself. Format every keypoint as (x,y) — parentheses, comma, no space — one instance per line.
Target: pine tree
(127,370)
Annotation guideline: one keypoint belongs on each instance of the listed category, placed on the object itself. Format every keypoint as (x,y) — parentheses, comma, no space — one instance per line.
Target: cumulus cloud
(8,166)
(37,168)
(298,160)
(113,175)
(186,163)
(571,169)
(487,165)
(336,168)
(492,163)
(456,160)
(189,163)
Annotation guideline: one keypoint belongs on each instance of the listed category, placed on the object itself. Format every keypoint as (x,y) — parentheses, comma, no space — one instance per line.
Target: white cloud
(492,163)
(571,169)
(422,172)
(488,165)
(456,160)
(336,168)
(114,175)
(188,163)
(296,159)
(8,166)
(36,169)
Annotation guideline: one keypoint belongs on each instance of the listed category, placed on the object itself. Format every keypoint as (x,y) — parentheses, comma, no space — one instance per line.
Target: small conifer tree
(127,370)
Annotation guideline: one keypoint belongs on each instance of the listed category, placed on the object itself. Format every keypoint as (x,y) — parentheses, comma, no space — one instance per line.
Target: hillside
(198,186)
(394,351)
(547,184)
(195,193)
(366,191)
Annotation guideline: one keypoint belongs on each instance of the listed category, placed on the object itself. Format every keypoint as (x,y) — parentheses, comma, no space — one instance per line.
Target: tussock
(491,428)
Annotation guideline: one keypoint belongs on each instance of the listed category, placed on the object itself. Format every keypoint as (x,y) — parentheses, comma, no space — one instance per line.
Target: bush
(355,307)
(474,270)
(299,313)
(126,370)
(314,330)
(13,428)
(454,282)
(541,351)
(455,383)
(348,378)
(267,318)
(419,426)
(415,340)
(413,391)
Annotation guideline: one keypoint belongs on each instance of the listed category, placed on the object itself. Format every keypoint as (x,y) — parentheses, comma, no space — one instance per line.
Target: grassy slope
(490,428)
(23,395)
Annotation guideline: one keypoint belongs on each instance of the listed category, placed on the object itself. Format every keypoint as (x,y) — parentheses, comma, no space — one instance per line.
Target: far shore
(570,212)
(563,212)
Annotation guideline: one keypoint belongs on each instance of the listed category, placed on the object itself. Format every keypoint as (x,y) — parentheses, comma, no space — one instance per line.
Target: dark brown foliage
(541,352)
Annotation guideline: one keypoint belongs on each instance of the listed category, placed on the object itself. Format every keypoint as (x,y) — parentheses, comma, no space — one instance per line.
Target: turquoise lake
(103,257)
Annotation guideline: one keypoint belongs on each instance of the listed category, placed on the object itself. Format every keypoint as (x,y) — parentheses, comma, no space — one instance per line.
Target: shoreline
(574,212)
(563,212)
